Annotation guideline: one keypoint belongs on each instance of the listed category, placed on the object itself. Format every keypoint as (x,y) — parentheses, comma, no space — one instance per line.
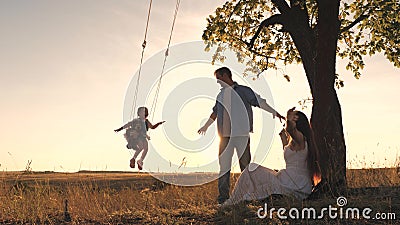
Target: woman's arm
(284,137)
(296,135)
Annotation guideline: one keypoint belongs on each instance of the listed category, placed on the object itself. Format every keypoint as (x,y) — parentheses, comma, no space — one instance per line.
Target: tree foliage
(366,27)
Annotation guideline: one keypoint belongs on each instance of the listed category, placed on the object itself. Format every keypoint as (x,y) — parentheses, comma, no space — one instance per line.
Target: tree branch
(359,19)
(274,19)
(312,16)
(233,11)
(300,7)
(363,16)
(254,51)
(282,6)
(262,55)
(301,3)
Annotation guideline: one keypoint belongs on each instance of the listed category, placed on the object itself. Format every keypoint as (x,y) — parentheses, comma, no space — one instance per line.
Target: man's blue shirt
(241,113)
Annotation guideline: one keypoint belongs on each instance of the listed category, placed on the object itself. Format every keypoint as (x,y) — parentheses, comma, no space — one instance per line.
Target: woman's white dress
(257,182)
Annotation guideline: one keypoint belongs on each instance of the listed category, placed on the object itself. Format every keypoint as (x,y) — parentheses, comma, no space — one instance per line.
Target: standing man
(234,122)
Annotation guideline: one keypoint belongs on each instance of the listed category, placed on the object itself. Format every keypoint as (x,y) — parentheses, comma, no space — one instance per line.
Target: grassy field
(138,198)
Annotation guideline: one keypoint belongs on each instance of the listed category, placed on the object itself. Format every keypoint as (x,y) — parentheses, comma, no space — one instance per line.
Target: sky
(66,67)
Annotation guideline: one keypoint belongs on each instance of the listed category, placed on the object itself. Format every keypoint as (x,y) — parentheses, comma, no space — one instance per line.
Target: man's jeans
(226,146)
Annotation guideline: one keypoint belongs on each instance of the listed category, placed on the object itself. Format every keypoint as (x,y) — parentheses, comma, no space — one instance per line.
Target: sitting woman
(300,152)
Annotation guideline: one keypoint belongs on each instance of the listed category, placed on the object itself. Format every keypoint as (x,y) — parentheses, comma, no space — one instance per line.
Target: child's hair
(146,111)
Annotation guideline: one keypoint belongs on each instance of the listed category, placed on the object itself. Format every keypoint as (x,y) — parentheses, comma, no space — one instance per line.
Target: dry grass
(132,198)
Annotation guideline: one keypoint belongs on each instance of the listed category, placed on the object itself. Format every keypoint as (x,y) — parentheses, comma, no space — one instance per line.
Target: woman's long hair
(305,128)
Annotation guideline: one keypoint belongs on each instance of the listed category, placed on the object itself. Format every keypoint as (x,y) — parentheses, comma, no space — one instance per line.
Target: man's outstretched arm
(210,120)
(264,105)
(256,100)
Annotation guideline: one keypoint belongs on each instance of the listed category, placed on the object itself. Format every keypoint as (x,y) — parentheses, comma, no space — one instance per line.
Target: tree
(311,32)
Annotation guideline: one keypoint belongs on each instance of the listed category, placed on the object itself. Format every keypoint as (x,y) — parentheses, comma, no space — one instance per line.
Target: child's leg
(138,147)
(133,160)
(137,152)
(145,150)
(144,145)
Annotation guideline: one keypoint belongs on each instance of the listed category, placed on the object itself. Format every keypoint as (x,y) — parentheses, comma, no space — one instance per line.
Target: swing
(135,130)
(153,106)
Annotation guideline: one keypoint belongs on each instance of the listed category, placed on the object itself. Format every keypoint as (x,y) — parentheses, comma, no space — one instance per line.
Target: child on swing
(136,135)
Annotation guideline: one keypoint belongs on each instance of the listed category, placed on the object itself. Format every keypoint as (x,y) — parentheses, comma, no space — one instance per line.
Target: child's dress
(135,133)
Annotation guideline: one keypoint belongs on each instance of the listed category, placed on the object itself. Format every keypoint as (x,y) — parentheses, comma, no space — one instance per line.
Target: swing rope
(154,104)
(141,61)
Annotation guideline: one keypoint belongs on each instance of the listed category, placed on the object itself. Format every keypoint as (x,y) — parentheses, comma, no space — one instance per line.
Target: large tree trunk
(326,116)
(327,125)
(317,49)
